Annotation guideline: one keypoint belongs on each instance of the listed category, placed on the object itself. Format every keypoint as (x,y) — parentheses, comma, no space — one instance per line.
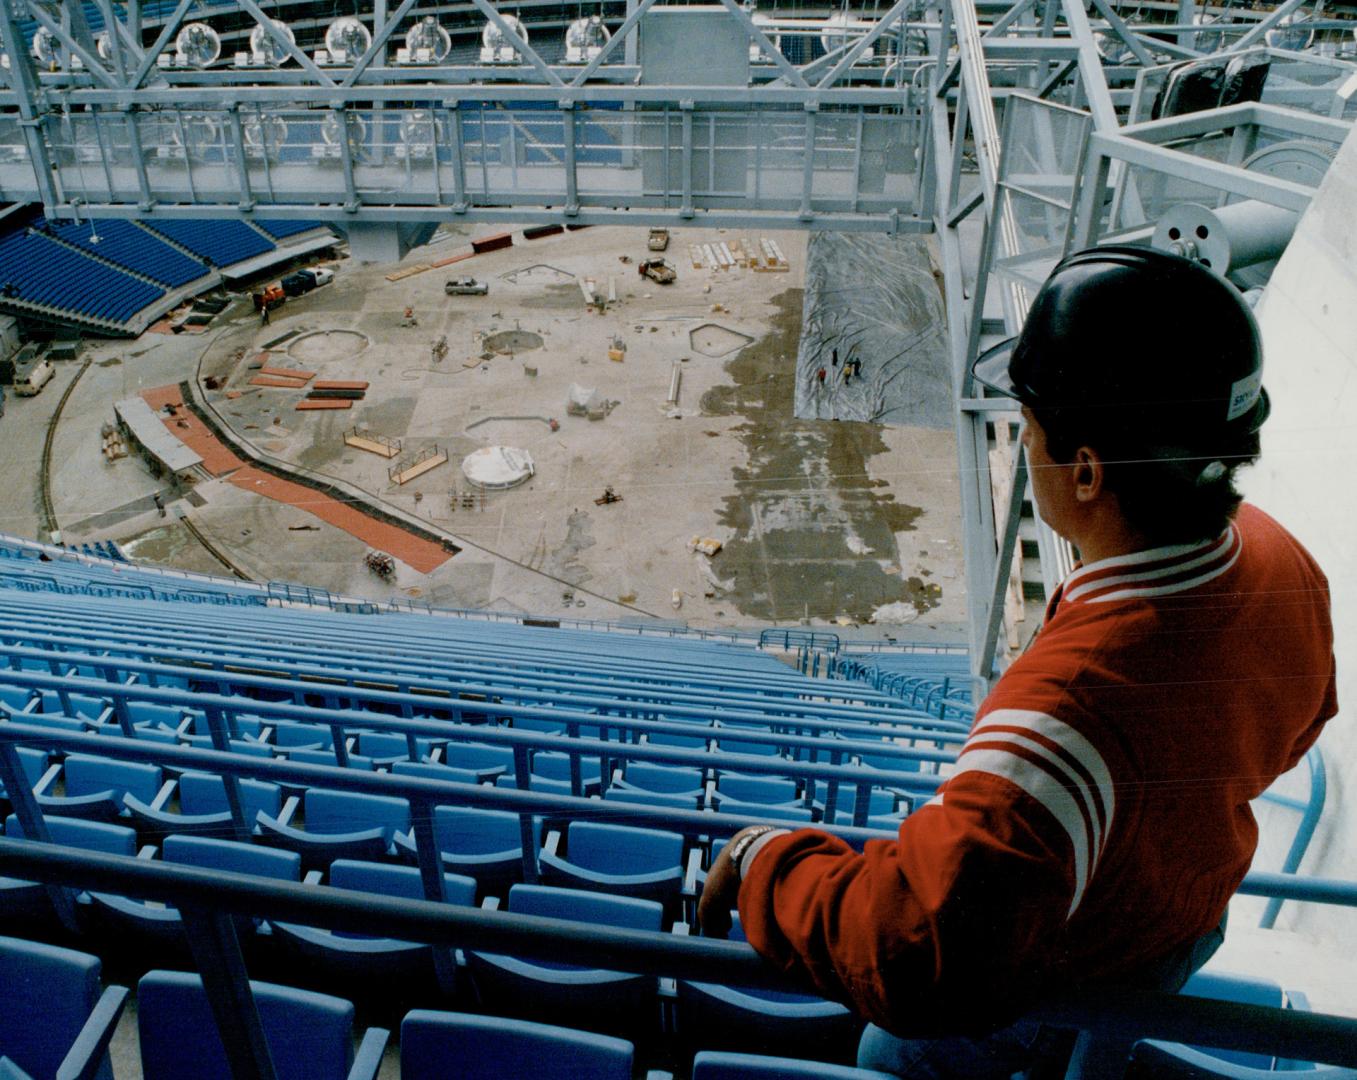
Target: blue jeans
(999,1055)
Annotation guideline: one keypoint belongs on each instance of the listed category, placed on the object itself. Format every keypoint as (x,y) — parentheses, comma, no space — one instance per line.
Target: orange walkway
(422,555)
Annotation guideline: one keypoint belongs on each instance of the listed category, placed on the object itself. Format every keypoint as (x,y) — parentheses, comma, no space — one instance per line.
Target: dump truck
(319,275)
(658,271)
(658,240)
(269,297)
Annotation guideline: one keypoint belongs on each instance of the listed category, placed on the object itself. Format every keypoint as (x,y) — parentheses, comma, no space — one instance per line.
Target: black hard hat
(1140,344)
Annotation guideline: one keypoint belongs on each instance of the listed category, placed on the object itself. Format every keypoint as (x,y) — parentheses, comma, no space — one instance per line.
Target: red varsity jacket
(1097,816)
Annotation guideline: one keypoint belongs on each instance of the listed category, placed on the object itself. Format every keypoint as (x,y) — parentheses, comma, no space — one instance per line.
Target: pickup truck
(658,240)
(658,271)
(466,286)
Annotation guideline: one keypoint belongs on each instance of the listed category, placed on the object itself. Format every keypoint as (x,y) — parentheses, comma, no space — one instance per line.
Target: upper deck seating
(131,246)
(280,230)
(221,243)
(36,269)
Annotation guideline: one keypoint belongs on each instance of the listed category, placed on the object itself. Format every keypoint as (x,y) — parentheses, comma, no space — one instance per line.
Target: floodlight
(197,45)
(495,48)
(428,42)
(585,39)
(347,39)
(329,129)
(266,49)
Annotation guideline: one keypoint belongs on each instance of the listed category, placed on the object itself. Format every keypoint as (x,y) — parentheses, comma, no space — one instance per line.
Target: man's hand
(721,893)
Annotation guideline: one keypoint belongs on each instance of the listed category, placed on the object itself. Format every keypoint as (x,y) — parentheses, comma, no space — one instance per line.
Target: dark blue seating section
(129,245)
(37,269)
(222,243)
(715,735)
(279,230)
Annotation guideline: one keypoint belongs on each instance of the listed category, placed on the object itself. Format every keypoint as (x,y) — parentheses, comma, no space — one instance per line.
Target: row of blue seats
(221,242)
(48,580)
(35,269)
(397,643)
(130,245)
(58,1020)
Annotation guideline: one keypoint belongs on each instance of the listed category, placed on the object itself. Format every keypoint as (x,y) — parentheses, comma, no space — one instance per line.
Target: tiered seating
(281,230)
(129,245)
(221,243)
(35,269)
(452,760)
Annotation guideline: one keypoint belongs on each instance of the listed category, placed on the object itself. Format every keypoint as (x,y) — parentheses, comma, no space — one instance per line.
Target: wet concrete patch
(507,342)
(814,534)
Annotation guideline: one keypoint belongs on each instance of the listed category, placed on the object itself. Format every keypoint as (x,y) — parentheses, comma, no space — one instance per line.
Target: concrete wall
(1305,479)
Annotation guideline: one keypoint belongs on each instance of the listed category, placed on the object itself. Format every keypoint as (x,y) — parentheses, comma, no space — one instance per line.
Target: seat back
(663,779)
(491,1048)
(433,771)
(769,790)
(555,765)
(578,905)
(232,856)
(466,831)
(34,763)
(48,995)
(330,811)
(400,881)
(309,1035)
(86,835)
(1245,990)
(620,849)
(479,756)
(86,774)
(291,733)
(205,793)
(713,1065)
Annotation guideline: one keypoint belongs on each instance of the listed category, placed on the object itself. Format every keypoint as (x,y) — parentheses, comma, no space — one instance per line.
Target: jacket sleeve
(950,926)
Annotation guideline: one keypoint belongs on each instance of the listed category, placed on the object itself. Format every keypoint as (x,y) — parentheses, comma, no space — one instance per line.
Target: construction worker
(820,376)
(264,314)
(1096,822)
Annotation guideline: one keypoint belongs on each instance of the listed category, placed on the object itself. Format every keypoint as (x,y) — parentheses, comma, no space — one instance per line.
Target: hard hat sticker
(1244,395)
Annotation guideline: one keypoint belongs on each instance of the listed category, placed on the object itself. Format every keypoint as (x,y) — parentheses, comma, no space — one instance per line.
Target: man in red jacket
(1097,819)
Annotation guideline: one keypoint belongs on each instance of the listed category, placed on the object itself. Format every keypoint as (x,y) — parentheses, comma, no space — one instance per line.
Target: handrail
(1133,1014)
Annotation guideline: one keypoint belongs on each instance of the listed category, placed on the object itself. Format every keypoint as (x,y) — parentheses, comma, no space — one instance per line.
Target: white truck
(30,378)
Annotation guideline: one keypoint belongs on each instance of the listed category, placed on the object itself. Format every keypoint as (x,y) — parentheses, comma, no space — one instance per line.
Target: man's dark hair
(1168,494)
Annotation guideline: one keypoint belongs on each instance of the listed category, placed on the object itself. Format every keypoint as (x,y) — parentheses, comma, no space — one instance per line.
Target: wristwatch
(749,843)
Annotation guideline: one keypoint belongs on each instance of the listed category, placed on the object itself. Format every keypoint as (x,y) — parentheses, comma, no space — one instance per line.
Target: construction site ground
(831,522)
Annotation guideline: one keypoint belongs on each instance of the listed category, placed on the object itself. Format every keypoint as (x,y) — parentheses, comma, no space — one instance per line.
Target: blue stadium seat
(642,863)
(595,1000)
(710,1065)
(1153,1059)
(53,1019)
(339,825)
(26,903)
(220,242)
(372,959)
(310,1036)
(203,809)
(713,1017)
(491,1048)
(482,844)
(161,926)
(488,762)
(95,786)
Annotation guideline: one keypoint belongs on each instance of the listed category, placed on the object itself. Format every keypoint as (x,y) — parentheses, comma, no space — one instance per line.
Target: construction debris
(381,564)
(608,497)
(705,544)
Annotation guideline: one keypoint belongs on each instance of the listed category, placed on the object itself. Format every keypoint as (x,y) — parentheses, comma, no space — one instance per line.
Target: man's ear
(1087,474)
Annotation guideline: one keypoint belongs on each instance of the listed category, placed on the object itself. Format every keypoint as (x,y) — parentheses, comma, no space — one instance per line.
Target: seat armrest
(163,795)
(312,877)
(147,851)
(47,779)
(369,1057)
(490,903)
(553,844)
(86,1054)
(289,810)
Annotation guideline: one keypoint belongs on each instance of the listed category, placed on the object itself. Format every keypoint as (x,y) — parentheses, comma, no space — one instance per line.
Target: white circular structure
(103,45)
(264,133)
(329,129)
(198,45)
(417,128)
(347,39)
(44,46)
(498,468)
(267,48)
(585,38)
(492,37)
(428,42)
